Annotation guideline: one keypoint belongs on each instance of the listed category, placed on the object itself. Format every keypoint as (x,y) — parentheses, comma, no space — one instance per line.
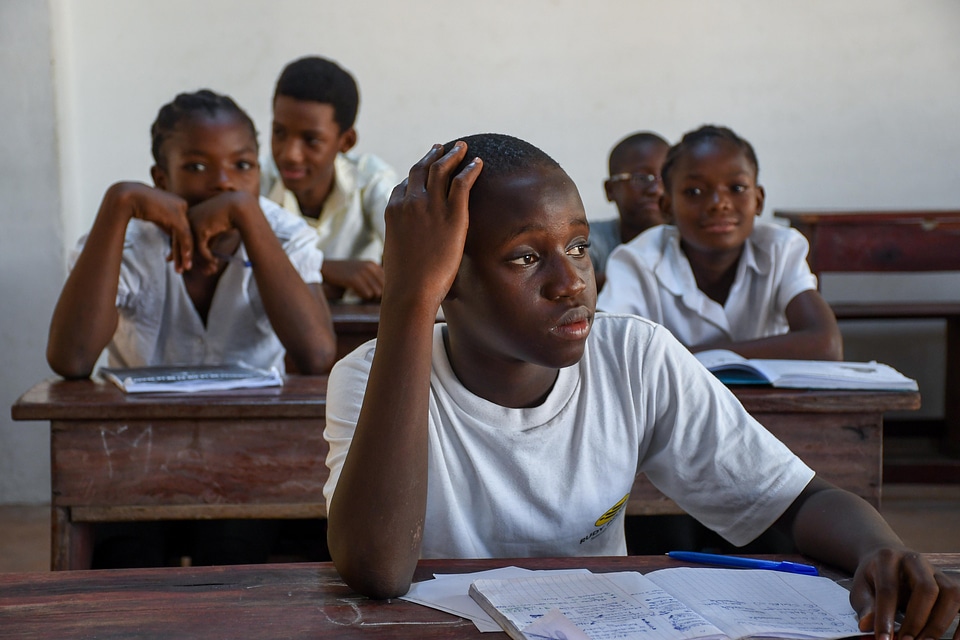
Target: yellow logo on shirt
(612,512)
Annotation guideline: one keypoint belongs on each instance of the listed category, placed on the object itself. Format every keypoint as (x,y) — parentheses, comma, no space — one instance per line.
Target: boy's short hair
(190,105)
(320,80)
(631,141)
(697,136)
(502,155)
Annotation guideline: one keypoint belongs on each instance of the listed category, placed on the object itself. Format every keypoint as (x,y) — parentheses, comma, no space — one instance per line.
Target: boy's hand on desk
(364,277)
(169,212)
(427,222)
(892,578)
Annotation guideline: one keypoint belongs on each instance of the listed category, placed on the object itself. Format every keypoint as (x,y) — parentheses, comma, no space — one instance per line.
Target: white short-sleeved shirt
(158,323)
(552,480)
(651,277)
(351,224)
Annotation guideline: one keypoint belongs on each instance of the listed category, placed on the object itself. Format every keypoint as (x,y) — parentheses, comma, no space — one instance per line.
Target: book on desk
(732,368)
(680,603)
(191,378)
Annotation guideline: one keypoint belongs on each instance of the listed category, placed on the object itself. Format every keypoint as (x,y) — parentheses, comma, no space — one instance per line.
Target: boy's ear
(666,208)
(159,177)
(761,195)
(606,189)
(348,139)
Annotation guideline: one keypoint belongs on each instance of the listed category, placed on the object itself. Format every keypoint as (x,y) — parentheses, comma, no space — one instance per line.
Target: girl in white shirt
(715,277)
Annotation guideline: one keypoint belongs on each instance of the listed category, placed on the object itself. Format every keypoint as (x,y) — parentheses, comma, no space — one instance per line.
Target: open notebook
(681,603)
(732,368)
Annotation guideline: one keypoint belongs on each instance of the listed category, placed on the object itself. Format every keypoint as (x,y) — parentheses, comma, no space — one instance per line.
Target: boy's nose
(290,151)
(567,279)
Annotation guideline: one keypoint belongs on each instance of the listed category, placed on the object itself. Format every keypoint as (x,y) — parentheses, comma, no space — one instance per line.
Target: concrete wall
(849,105)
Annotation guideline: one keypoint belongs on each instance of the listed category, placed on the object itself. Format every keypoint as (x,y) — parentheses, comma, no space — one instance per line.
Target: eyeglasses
(638,180)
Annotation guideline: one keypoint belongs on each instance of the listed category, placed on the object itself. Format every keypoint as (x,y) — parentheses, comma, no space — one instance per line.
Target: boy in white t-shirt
(715,276)
(517,428)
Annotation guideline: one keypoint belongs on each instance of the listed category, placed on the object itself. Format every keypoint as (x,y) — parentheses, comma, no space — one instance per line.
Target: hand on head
(427,219)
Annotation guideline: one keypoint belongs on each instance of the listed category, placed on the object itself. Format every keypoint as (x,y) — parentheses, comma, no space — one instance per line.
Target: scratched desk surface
(265,601)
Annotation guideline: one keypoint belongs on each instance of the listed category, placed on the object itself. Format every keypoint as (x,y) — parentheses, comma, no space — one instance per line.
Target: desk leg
(951,397)
(71,543)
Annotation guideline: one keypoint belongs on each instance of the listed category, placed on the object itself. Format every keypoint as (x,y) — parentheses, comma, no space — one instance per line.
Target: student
(196,269)
(341,195)
(517,428)
(635,187)
(716,277)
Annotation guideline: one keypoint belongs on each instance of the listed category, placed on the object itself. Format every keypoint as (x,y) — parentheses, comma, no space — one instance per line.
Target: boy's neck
(311,202)
(517,386)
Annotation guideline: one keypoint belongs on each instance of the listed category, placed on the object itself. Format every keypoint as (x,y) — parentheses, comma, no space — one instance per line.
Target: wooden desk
(265,601)
(887,241)
(260,453)
(354,324)
(250,453)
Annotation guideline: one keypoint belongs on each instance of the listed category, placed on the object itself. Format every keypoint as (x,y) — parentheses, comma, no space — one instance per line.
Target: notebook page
(593,602)
(746,603)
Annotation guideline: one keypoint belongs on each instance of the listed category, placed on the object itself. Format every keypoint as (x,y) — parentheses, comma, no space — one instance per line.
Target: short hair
(320,80)
(632,141)
(187,106)
(693,138)
(502,155)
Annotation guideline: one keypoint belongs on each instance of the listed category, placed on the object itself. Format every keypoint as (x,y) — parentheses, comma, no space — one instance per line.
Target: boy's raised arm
(837,527)
(85,317)
(298,312)
(376,519)
(814,334)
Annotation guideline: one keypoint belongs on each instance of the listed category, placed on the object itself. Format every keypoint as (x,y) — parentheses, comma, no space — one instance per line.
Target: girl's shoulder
(767,233)
(650,246)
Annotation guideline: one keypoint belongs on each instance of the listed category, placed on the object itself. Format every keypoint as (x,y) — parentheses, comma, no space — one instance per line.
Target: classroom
(850,106)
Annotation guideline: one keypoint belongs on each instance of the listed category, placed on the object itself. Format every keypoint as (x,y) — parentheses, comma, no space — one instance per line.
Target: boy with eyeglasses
(635,187)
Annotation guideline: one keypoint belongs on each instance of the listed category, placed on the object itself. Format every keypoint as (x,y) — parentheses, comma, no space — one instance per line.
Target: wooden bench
(893,241)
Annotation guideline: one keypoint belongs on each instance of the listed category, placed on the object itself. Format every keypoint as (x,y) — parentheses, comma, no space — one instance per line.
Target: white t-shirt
(552,480)
(351,224)
(158,323)
(651,277)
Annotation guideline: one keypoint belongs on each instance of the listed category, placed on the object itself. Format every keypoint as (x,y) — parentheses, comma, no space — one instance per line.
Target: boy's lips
(293,174)
(573,325)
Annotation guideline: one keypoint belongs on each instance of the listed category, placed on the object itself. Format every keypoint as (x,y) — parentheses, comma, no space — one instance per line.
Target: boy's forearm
(298,314)
(85,317)
(376,519)
(838,527)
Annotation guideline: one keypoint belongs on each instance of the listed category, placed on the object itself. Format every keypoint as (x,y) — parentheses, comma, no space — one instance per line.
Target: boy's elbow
(832,347)
(376,580)
(317,361)
(71,368)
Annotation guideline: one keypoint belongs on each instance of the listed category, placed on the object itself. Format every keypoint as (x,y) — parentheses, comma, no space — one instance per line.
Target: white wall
(31,270)
(849,104)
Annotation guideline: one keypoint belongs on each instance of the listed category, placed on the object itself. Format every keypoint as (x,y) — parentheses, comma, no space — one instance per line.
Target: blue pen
(744,563)
(232,258)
